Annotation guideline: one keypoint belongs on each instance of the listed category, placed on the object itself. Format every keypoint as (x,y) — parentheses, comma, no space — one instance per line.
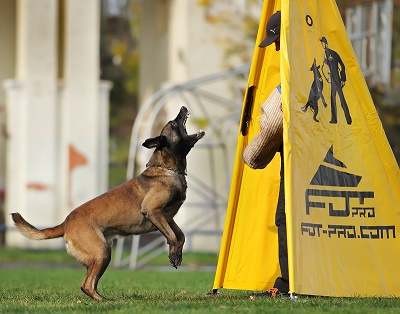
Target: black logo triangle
(328,176)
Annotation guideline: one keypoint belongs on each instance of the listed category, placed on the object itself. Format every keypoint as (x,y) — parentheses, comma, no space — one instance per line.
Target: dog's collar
(170,169)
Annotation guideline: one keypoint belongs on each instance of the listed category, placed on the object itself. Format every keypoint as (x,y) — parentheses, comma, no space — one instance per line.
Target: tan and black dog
(145,203)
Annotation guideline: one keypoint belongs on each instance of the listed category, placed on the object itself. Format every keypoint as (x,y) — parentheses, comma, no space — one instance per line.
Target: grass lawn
(37,289)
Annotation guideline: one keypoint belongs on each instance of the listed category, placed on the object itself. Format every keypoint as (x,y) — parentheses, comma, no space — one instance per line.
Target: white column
(80,103)
(16,159)
(57,150)
(32,109)
(154,49)
(178,41)
(7,68)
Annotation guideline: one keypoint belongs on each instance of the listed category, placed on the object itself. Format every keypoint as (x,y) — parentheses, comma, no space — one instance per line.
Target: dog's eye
(173,123)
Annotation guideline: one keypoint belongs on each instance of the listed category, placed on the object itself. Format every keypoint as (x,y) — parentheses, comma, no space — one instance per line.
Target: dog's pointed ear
(156,142)
(152,142)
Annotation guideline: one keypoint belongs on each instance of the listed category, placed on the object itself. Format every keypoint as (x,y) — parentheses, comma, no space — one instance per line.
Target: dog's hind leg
(314,107)
(95,269)
(315,116)
(93,251)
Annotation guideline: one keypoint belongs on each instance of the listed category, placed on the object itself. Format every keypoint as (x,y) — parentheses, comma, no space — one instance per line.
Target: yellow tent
(342,182)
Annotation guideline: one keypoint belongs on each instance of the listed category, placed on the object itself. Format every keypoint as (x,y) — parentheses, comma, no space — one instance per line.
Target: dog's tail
(31,232)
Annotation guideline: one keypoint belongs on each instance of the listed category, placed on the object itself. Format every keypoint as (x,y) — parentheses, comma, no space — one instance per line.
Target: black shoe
(271,293)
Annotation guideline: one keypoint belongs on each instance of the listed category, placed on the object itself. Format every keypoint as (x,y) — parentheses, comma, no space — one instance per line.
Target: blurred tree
(389,114)
(240,18)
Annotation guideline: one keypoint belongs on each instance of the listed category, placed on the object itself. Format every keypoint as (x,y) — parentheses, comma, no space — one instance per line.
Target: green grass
(57,290)
(56,258)
(35,256)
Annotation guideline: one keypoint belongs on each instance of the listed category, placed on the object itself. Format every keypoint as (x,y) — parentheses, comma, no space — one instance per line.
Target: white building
(54,108)
(56,111)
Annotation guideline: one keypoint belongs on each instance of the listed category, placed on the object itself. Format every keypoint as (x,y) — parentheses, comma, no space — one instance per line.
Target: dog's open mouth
(199,134)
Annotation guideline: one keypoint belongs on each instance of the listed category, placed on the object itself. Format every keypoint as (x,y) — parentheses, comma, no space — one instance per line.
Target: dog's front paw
(175,260)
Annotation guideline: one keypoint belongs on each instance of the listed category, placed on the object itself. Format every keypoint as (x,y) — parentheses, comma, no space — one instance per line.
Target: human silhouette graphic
(337,79)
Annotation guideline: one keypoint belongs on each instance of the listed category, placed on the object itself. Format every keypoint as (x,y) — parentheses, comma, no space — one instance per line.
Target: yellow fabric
(248,257)
(342,182)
